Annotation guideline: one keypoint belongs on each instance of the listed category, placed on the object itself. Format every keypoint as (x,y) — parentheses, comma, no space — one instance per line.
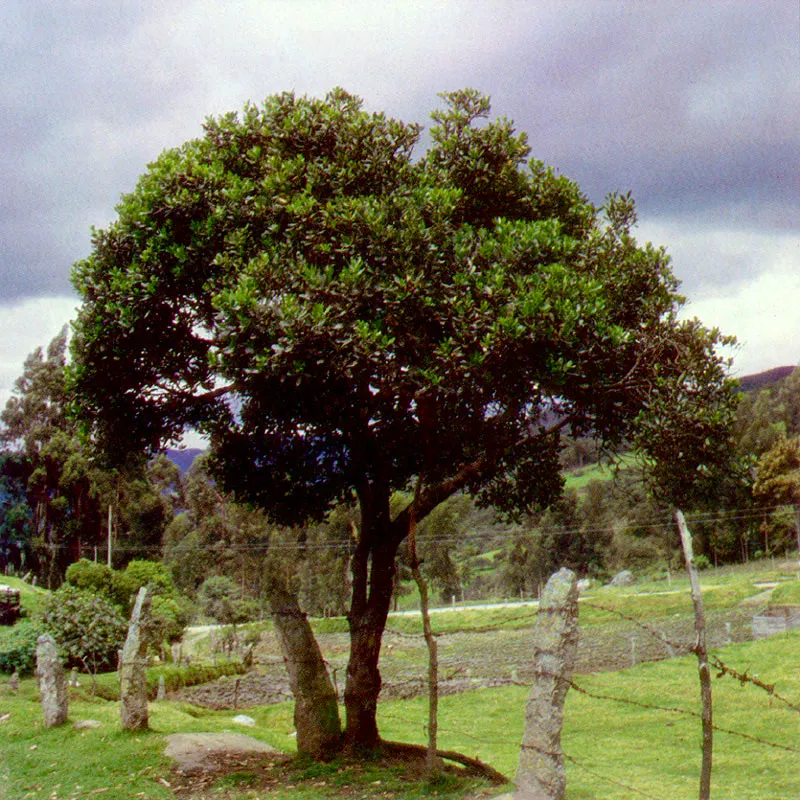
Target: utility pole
(110,528)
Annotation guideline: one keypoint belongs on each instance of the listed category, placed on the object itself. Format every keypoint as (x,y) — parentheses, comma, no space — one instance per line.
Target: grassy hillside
(31,597)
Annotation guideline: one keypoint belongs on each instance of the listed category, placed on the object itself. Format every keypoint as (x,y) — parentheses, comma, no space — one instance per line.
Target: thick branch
(481,469)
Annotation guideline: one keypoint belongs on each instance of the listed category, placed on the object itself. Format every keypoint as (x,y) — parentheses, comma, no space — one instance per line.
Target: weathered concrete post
(133,672)
(541,774)
(52,682)
(316,712)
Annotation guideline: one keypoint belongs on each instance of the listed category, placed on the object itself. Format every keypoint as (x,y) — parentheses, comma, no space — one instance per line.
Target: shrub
(88,629)
(702,562)
(150,573)
(90,576)
(169,618)
(123,591)
(18,647)
(220,599)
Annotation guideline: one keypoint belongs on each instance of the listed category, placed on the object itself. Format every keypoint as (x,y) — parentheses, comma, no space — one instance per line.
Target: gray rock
(243,719)
(162,689)
(86,724)
(52,683)
(541,774)
(624,578)
(192,750)
(133,675)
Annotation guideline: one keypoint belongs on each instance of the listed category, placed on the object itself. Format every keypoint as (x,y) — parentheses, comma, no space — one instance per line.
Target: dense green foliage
(352,301)
(54,493)
(170,612)
(88,629)
(341,317)
(18,647)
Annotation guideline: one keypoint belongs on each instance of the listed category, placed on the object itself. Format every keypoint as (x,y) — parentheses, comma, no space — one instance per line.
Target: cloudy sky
(693,106)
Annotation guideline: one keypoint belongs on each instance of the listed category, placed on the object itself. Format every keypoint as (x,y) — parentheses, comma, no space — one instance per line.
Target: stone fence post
(541,774)
(52,682)
(133,667)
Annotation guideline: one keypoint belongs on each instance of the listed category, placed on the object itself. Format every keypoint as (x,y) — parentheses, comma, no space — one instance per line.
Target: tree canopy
(341,315)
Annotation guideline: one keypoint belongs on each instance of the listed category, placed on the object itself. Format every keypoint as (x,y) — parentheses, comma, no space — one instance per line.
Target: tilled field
(474,660)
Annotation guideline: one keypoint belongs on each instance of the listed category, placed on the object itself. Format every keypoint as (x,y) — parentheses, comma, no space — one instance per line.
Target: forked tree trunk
(373,566)
(367,622)
(316,710)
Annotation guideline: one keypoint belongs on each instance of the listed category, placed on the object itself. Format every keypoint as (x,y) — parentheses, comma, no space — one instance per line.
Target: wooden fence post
(701,652)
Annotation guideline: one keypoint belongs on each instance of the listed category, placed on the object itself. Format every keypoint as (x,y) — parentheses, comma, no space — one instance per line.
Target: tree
(342,318)
(219,598)
(778,477)
(87,627)
(16,517)
(49,461)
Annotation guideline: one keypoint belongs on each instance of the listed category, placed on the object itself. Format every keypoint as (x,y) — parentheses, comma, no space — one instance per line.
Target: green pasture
(616,746)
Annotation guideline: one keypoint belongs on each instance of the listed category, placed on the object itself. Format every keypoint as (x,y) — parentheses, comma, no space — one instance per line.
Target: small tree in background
(87,627)
(220,599)
(778,478)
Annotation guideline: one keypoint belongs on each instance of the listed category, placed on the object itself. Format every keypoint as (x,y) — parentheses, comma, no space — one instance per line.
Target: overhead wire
(655,523)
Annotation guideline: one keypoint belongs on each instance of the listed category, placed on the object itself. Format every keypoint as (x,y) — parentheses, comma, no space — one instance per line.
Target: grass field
(617,748)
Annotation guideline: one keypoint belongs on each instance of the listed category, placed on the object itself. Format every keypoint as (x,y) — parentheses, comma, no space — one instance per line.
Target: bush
(88,629)
(169,618)
(90,576)
(150,573)
(18,647)
(702,562)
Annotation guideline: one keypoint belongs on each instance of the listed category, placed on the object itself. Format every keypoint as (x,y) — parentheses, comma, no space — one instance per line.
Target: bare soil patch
(471,660)
(215,767)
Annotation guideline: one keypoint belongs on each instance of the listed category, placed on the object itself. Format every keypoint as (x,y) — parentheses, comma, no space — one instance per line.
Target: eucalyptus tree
(49,462)
(343,316)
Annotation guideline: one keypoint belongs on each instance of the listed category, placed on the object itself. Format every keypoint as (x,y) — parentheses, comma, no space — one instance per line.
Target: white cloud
(762,314)
(27,325)
(744,282)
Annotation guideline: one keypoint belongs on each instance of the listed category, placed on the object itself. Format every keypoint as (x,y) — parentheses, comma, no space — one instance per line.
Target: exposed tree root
(476,766)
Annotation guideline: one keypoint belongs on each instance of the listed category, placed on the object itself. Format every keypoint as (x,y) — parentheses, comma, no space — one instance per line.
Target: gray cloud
(691,106)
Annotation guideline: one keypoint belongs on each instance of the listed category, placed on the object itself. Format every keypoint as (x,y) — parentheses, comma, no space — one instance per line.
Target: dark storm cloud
(76,92)
(693,106)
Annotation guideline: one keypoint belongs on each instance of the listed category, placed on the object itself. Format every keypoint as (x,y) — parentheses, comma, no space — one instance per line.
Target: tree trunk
(373,580)
(797,525)
(316,710)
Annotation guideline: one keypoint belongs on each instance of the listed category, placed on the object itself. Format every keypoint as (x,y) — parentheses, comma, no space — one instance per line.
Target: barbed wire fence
(723,670)
(667,641)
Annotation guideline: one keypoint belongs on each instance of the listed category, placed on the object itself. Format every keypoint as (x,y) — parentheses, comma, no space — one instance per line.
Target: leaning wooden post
(433,763)
(701,652)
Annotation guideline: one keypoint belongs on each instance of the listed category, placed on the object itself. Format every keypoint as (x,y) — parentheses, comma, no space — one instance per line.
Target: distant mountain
(183,459)
(761,380)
